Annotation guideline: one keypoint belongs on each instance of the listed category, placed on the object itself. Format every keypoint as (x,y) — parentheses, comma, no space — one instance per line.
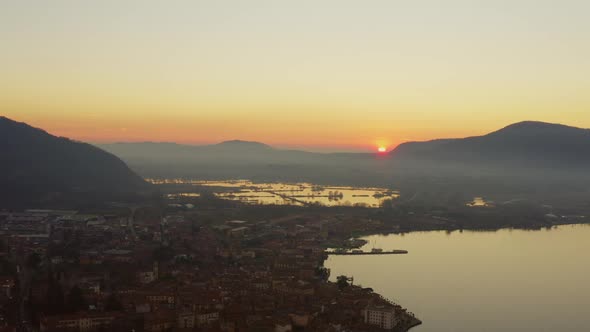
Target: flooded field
(481,202)
(285,193)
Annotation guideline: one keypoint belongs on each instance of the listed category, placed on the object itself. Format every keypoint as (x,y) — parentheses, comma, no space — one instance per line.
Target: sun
(381,149)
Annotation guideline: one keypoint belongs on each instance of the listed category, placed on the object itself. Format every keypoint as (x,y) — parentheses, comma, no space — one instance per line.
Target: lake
(506,280)
(279,193)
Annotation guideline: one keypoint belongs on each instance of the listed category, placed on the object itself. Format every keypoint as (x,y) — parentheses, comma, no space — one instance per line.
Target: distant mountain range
(538,144)
(34,164)
(235,151)
(528,151)
(242,159)
(531,145)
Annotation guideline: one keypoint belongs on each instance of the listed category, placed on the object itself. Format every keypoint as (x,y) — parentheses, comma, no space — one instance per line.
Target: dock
(350,253)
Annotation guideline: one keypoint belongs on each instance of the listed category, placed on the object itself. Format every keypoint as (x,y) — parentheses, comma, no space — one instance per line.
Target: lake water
(286,193)
(508,280)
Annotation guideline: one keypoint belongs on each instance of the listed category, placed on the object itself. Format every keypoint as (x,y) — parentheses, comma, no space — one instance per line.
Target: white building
(382,315)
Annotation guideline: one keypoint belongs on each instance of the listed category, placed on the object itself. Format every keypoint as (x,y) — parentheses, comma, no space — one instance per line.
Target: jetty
(359,252)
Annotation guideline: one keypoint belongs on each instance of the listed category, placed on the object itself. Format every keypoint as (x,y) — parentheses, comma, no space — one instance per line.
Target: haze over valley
(531,159)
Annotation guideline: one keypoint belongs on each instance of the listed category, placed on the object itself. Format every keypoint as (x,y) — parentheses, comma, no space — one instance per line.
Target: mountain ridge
(34,163)
(524,143)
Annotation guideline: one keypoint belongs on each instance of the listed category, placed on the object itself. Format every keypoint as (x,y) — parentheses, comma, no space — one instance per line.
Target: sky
(319,74)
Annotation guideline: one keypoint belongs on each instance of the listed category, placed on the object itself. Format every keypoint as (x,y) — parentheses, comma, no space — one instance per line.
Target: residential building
(381,315)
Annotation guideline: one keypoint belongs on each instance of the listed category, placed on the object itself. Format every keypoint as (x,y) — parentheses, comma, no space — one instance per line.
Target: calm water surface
(508,280)
(287,193)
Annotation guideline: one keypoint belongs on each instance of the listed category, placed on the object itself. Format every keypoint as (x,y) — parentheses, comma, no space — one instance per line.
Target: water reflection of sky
(289,193)
(507,280)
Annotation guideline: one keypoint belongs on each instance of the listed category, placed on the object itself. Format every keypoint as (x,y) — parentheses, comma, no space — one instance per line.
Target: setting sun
(381,149)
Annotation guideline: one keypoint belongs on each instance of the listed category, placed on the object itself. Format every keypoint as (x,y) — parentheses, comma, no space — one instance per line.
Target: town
(184,268)
(201,262)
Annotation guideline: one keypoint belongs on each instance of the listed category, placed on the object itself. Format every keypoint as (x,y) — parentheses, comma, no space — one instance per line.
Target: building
(236,222)
(161,320)
(238,231)
(381,315)
(148,276)
(207,317)
(6,286)
(186,319)
(300,287)
(84,321)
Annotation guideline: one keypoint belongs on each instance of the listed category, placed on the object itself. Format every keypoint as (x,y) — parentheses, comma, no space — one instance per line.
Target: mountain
(537,161)
(34,163)
(529,144)
(517,157)
(229,151)
(235,151)
(243,145)
(242,159)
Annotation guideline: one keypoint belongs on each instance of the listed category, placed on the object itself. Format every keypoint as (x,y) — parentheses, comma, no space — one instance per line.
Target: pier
(393,252)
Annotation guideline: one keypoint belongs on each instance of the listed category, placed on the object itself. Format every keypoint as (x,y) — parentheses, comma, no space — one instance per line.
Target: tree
(322,272)
(76,301)
(7,267)
(55,296)
(342,282)
(33,260)
(113,304)
(387,204)
(163,254)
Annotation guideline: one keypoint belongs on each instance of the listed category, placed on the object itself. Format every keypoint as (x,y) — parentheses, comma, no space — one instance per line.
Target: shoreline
(361,241)
(407,327)
(409,320)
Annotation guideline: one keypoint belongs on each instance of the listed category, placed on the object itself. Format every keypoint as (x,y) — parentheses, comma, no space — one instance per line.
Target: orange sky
(289,131)
(329,75)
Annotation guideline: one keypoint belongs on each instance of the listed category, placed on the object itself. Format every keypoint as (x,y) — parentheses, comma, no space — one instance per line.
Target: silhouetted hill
(235,151)
(526,157)
(34,163)
(537,145)
(243,145)
(242,159)
(526,160)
